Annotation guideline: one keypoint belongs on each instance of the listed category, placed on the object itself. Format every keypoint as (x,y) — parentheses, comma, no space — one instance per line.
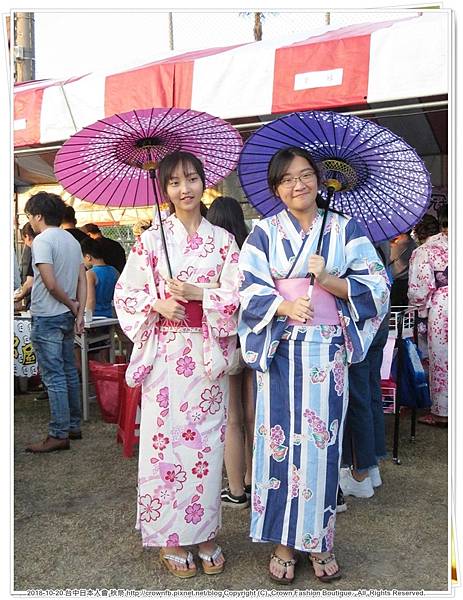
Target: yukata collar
(298,226)
(181,227)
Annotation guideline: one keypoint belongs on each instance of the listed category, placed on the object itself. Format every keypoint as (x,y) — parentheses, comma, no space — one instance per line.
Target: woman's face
(185,189)
(298,187)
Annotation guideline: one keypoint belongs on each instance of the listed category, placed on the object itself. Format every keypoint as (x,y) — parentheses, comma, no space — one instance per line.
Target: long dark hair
(170,162)
(226,212)
(278,166)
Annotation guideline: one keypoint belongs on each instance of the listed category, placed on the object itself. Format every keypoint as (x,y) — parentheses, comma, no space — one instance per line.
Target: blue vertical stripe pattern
(301,373)
(296,398)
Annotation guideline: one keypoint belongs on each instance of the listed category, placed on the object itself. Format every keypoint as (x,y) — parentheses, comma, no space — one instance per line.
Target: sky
(72,44)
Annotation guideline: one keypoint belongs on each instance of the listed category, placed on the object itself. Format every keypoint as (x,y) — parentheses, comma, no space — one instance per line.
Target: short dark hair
(50,206)
(171,161)
(27,230)
(428,226)
(91,228)
(69,215)
(443,216)
(226,212)
(92,247)
(279,163)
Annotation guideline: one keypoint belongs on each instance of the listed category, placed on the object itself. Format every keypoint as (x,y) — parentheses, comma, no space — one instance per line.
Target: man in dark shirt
(401,250)
(69,224)
(113,252)
(27,275)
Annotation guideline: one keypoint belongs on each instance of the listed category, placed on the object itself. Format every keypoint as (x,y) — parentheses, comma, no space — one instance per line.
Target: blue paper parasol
(378,179)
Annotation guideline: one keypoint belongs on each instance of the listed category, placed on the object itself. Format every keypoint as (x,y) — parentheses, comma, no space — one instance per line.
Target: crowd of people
(243,359)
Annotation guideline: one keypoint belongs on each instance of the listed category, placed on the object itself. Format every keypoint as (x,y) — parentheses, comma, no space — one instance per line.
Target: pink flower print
(185,275)
(172,540)
(295,477)
(277,436)
(146,309)
(212,399)
(229,309)
(208,246)
(223,252)
(195,415)
(189,435)
(144,337)
(173,475)
(329,535)
(194,513)
(153,259)
(149,508)
(320,435)
(141,373)
(339,372)
(200,469)
(223,343)
(257,505)
(128,305)
(222,433)
(160,441)
(163,397)
(194,241)
(138,246)
(185,366)
(170,476)
(234,257)
(203,279)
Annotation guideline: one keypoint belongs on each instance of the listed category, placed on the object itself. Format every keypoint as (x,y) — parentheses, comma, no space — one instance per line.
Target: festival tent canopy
(326,68)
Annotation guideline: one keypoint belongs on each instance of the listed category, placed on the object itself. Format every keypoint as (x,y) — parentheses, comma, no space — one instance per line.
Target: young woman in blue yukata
(300,350)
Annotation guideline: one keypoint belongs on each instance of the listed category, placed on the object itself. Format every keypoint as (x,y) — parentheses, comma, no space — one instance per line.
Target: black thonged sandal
(284,563)
(322,562)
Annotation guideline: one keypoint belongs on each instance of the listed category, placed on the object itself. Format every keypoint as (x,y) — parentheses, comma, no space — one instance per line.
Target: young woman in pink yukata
(184,334)
(428,290)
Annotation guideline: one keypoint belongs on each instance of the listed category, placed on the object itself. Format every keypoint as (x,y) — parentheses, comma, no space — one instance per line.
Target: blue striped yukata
(301,378)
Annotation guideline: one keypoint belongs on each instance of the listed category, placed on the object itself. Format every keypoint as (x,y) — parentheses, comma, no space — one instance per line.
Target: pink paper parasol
(113,162)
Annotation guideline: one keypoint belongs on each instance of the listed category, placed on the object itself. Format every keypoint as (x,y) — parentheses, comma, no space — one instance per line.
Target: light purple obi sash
(324,303)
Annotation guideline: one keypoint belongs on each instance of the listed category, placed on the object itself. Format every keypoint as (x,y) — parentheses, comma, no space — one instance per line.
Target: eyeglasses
(289,182)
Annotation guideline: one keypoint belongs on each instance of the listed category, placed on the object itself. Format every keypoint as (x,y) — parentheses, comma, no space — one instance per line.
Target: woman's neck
(305,218)
(191,220)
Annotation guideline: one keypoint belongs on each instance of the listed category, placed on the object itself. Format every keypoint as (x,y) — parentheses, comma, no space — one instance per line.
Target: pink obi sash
(193,316)
(324,303)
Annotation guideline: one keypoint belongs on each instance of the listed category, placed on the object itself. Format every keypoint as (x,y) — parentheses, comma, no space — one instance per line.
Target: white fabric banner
(25,360)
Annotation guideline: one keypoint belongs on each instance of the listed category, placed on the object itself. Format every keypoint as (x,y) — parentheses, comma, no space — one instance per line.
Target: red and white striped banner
(331,67)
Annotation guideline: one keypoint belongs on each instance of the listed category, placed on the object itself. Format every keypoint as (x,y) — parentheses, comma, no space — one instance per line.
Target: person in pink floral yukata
(184,334)
(428,290)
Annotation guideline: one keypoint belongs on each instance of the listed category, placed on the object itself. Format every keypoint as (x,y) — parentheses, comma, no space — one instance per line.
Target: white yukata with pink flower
(428,290)
(182,373)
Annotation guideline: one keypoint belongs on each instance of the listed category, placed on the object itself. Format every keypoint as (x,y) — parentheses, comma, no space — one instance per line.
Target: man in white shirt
(57,309)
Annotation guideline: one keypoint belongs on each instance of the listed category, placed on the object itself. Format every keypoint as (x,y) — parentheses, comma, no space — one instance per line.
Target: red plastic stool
(128,431)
